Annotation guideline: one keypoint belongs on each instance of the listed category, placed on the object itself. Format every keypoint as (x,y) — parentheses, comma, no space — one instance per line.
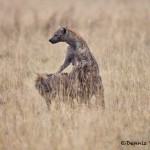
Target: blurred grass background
(118,34)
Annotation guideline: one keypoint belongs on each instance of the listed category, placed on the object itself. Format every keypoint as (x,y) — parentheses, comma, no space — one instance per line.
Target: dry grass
(118,33)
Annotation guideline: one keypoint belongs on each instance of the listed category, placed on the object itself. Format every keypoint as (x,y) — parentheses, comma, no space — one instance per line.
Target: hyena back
(52,86)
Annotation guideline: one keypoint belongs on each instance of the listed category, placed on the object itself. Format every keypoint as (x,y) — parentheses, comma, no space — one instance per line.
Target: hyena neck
(77,44)
(76,41)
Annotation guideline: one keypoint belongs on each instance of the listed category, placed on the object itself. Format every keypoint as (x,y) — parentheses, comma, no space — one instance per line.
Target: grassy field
(118,34)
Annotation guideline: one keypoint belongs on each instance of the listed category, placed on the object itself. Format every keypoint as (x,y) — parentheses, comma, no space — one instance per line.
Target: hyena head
(61,35)
(65,34)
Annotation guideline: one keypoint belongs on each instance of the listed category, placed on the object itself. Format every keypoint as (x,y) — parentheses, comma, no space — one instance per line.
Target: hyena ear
(64,30)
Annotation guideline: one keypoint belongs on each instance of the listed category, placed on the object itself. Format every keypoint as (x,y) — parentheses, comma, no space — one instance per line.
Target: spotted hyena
(85,67)
(55,87)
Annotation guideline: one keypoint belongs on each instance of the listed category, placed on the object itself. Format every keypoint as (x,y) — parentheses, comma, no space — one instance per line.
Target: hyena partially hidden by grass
(83,81)
(85,69)
(52,86)
(59,87)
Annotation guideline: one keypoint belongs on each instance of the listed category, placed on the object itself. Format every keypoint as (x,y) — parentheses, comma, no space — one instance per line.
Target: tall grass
(118,35)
